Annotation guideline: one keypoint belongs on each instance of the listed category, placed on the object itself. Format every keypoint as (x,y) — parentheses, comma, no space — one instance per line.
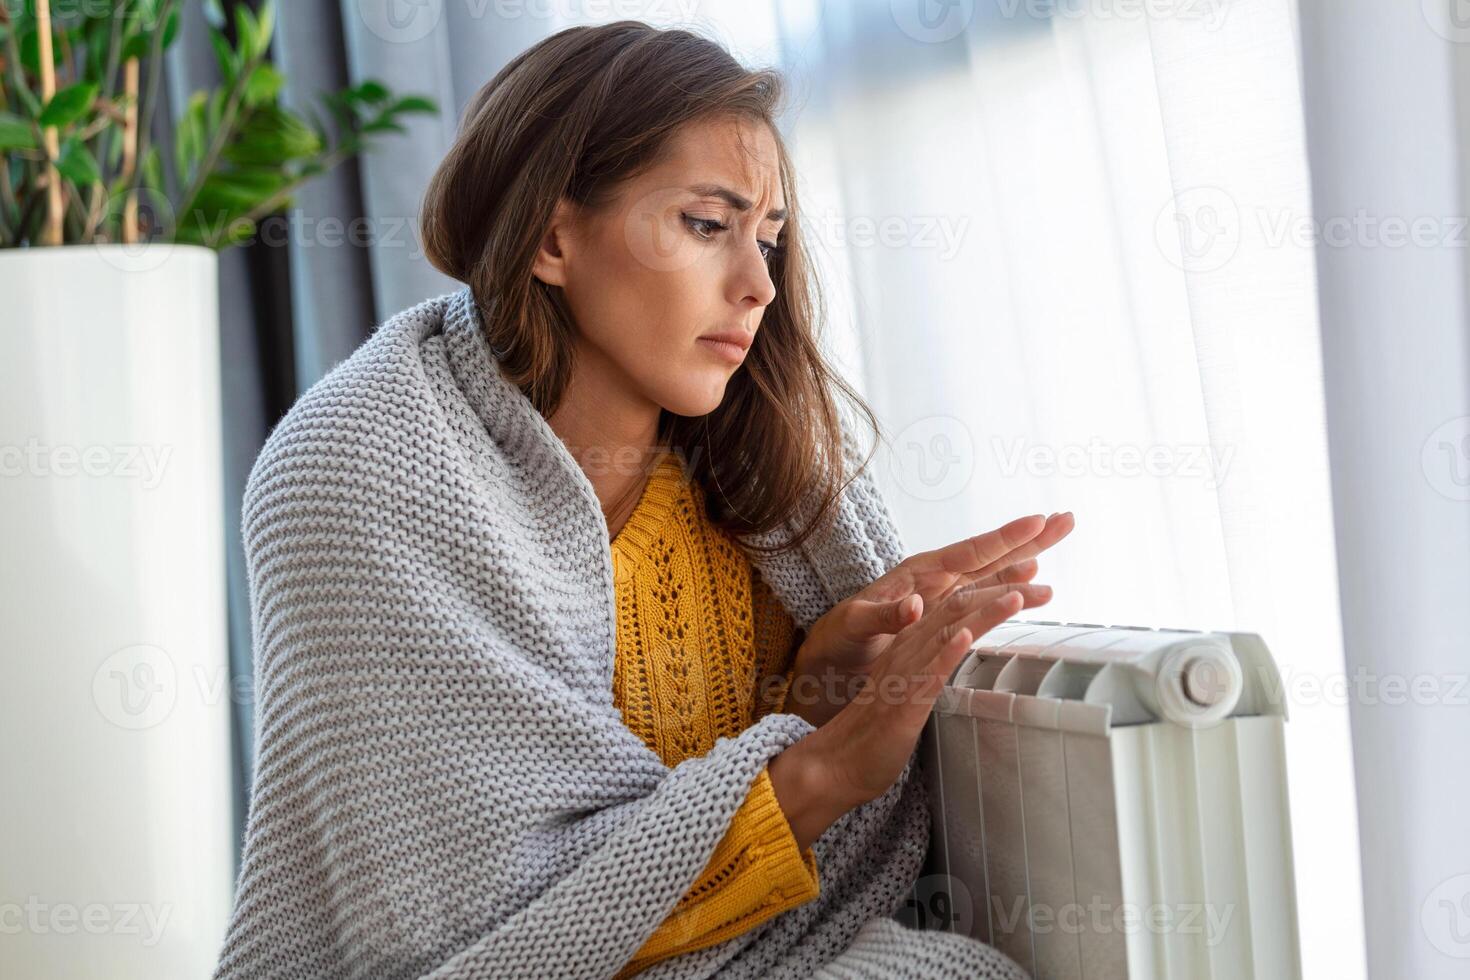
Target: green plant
(79,83)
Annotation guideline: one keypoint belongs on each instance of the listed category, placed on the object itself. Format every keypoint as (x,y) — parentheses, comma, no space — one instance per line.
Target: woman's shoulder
(361,422)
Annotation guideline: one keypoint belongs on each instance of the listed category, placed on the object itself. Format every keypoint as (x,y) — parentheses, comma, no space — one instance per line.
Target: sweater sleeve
(756,873)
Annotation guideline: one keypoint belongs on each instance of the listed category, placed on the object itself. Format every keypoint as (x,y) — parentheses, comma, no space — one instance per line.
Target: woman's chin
(696,399)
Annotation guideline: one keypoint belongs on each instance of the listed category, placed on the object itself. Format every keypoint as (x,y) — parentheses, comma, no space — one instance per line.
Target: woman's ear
(552,252)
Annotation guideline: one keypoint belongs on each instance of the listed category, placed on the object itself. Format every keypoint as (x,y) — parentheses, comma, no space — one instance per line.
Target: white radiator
(1110,802)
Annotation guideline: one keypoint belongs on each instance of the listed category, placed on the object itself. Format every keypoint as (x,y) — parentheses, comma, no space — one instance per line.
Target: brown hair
(572,116)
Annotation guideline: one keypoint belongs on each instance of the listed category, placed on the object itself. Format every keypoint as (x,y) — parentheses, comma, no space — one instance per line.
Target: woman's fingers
(1021,572)
(873,735)
(1057,527)
(994,558)
(985,619)
(977,616)
(965,603)
(867,618)
(946,648)
(965,607)
(973,555)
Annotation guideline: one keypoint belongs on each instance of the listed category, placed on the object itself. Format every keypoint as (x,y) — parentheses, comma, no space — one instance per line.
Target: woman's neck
(613,438)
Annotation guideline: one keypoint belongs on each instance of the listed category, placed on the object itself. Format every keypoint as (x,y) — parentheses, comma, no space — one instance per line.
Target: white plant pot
(116,851)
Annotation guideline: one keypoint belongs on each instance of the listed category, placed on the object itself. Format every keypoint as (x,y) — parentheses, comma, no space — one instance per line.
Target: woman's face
(683,253)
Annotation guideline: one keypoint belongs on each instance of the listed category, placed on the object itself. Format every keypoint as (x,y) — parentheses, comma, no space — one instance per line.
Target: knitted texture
(699,635)
(702,640)
(443,785)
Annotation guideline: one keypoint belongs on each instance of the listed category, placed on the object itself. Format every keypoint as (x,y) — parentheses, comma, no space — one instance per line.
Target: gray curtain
(317,280)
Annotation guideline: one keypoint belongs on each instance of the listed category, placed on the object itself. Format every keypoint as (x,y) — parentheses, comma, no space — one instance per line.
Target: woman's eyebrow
(734,200)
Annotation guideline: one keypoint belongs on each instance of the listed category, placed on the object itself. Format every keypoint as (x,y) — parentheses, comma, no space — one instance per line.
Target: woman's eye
(703,226)
(706,227)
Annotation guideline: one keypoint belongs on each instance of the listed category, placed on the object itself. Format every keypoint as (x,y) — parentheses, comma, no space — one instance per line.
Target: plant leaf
(347,113)
(224,56)
(69,104)
(240,189)
(30,49)
(271,136)
(213,14)
(214,110)
(414,103)
(16,132)
(266,26)
(113,142)
(246,33)
(189,138)
(170,29)
(263,85)
(371,91)
(77,164)
(136,46)
(384,125)
(217,217)
(97,38)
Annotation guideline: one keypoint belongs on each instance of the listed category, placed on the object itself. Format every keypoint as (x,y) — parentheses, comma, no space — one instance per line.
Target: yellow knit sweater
(699,636)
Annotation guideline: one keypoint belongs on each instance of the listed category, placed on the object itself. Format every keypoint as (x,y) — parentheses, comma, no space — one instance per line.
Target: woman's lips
(733,353)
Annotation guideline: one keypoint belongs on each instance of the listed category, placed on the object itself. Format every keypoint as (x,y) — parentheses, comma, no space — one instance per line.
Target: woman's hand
(838,650)
(859,753)
(843,645)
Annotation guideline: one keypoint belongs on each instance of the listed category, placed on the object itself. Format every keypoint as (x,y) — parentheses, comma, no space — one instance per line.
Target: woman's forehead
(742,158)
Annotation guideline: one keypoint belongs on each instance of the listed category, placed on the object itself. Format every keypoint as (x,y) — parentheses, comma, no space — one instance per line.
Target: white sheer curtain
(1067,252)
(1067,248)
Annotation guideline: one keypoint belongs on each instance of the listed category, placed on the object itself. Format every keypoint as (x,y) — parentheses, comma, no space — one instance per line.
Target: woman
(585,644)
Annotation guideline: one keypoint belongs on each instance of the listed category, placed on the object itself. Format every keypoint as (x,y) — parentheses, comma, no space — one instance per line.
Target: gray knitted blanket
(443,786)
